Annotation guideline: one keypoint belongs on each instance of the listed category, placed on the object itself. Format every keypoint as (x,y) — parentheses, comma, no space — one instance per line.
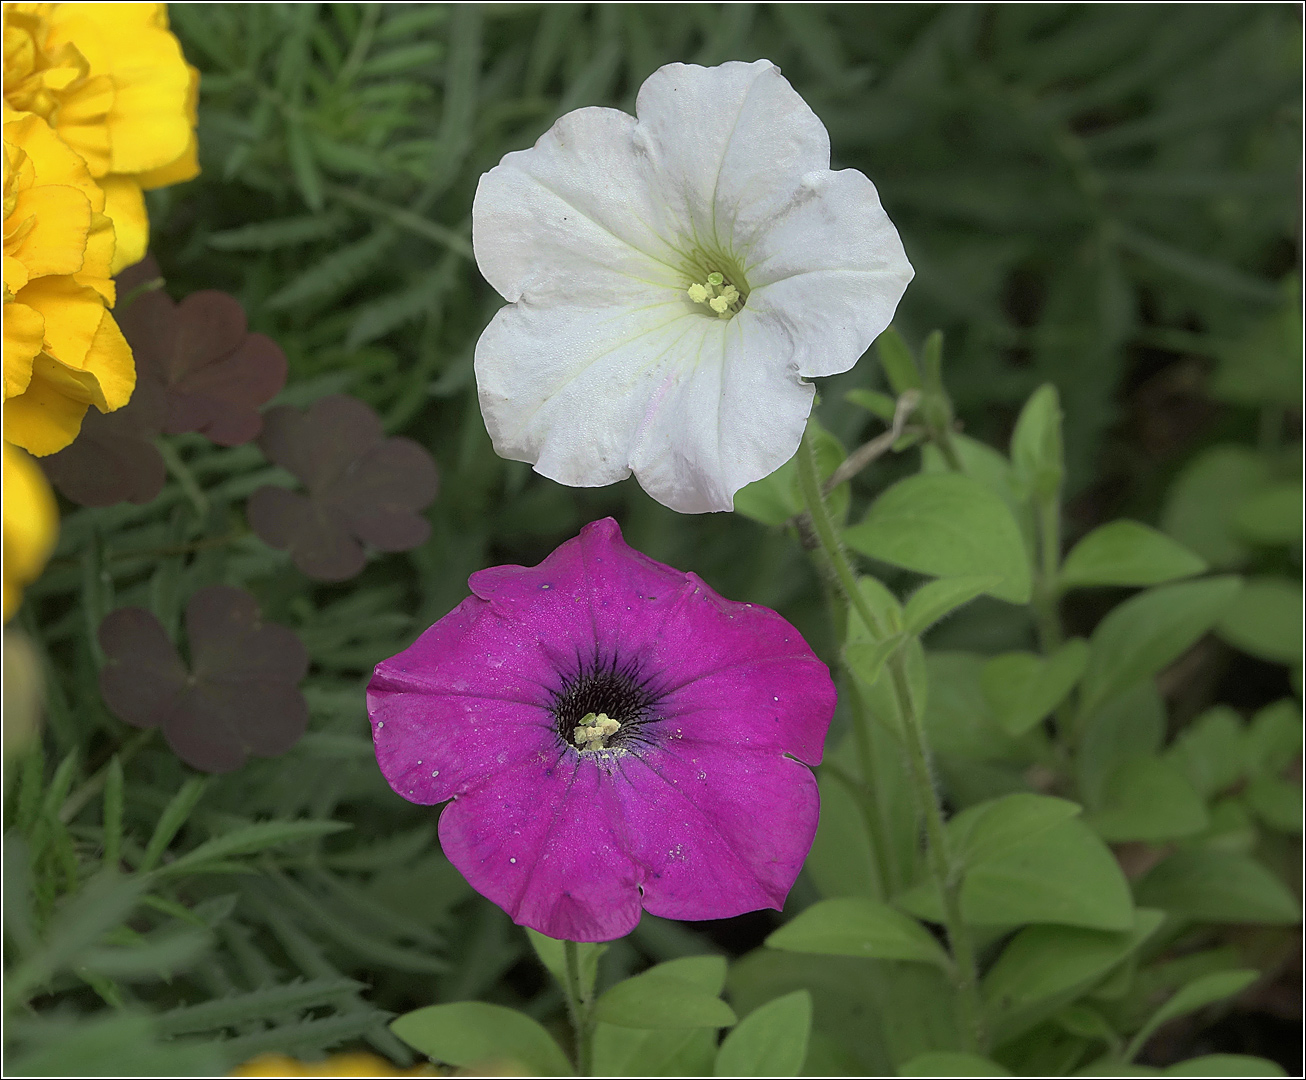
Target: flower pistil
(594,731)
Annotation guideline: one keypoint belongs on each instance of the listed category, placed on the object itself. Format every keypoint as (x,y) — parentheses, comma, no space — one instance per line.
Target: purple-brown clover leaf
(239,696)
(363,488)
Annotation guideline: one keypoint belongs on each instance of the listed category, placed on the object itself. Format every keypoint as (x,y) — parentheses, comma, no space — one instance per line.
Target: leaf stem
(182,474)
(580,1006)
(943,870)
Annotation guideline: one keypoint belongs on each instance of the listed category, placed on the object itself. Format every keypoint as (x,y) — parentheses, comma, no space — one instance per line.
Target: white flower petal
(728,146)
(565,386)
(590,395)
(573,219)
(732,415)
(828,272)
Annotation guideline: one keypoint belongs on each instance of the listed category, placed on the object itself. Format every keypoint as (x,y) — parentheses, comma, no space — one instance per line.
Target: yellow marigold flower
(62,349)
(351,1064)
(31,523)
(112,81)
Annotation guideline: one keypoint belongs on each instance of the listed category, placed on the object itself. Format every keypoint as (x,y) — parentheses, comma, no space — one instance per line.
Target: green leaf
(472,1033)
(877,404)
(951,1063)
(1064,874)
(257,1005)
(622,1051)
(935,599)
(1218,886)
(841,860)
(957,719)
(1036,452)
(1265,620)
(1199,993)
(304,165)
(1276,801)
(993,829)
(171,820)
(125,1042)
(1044,968)
(665,996)
(866,659)
(1021,689)
(1225,1065)
(271,235)
(249,839)
(856,926)
(1148,631)
(769,1041)
(1272,515)
(1147,798)
(1130,724)
(946,525)
(552,954)
(1204,498)
(896,359)
(1127,553)
(775,499)
(1274,739)
(1210,751)
(1265,367)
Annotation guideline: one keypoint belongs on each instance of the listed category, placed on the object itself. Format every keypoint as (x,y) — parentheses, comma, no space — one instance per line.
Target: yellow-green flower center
(594,730)
(716,282)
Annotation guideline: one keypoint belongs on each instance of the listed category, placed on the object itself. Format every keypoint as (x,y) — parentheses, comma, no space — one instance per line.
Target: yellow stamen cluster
(594,730)
(716,293)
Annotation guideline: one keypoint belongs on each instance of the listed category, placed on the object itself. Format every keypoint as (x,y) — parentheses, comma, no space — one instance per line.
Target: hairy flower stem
(580,1007)
(947,878)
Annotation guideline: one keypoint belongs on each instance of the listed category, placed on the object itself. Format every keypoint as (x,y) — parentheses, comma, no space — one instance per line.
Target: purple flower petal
(699,805)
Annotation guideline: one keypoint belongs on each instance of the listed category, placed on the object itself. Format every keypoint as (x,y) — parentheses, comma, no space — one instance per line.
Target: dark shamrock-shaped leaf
(239,695)
(113,457)
(362,487)
(214,374)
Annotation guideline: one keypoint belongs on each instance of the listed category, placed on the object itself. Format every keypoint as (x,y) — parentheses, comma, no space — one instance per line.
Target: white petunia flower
(672,281)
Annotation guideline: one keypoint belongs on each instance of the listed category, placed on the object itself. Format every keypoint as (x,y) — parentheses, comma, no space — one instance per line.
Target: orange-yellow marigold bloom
(31,523)
(63,352)
(350,1064)
(112,81)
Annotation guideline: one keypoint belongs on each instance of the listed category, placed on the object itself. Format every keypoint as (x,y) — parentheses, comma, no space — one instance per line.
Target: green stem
(182,474)
(579,1008)
(965,969)
(871,810)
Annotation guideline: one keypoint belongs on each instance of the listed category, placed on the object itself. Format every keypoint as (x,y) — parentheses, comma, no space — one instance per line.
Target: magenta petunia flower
(612,734)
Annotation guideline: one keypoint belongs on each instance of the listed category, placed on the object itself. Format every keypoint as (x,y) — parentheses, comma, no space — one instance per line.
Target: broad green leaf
(1036,452)
(884,606)
(952,1063)
(946,525)
(1225,1065)
(1265,366)
(1204,498)
(1274,740)
(1043,968)
(932,601)
(994,829)
(1276,801)
(1148,631)
(769,1041)
(1086,1022)
(1210,751)
(855,926)
(881,698)
(1202,991)
(1127,553)
(867,1015)
(1265,620)
(1218,886)
(475,1033)
(957,719)
(1128,725)
(1064,875)
(623,1051)
(665,996)
(840,862)
(1021,689)
(775,499)
(866,659)
(1272,515)
(1147,798)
